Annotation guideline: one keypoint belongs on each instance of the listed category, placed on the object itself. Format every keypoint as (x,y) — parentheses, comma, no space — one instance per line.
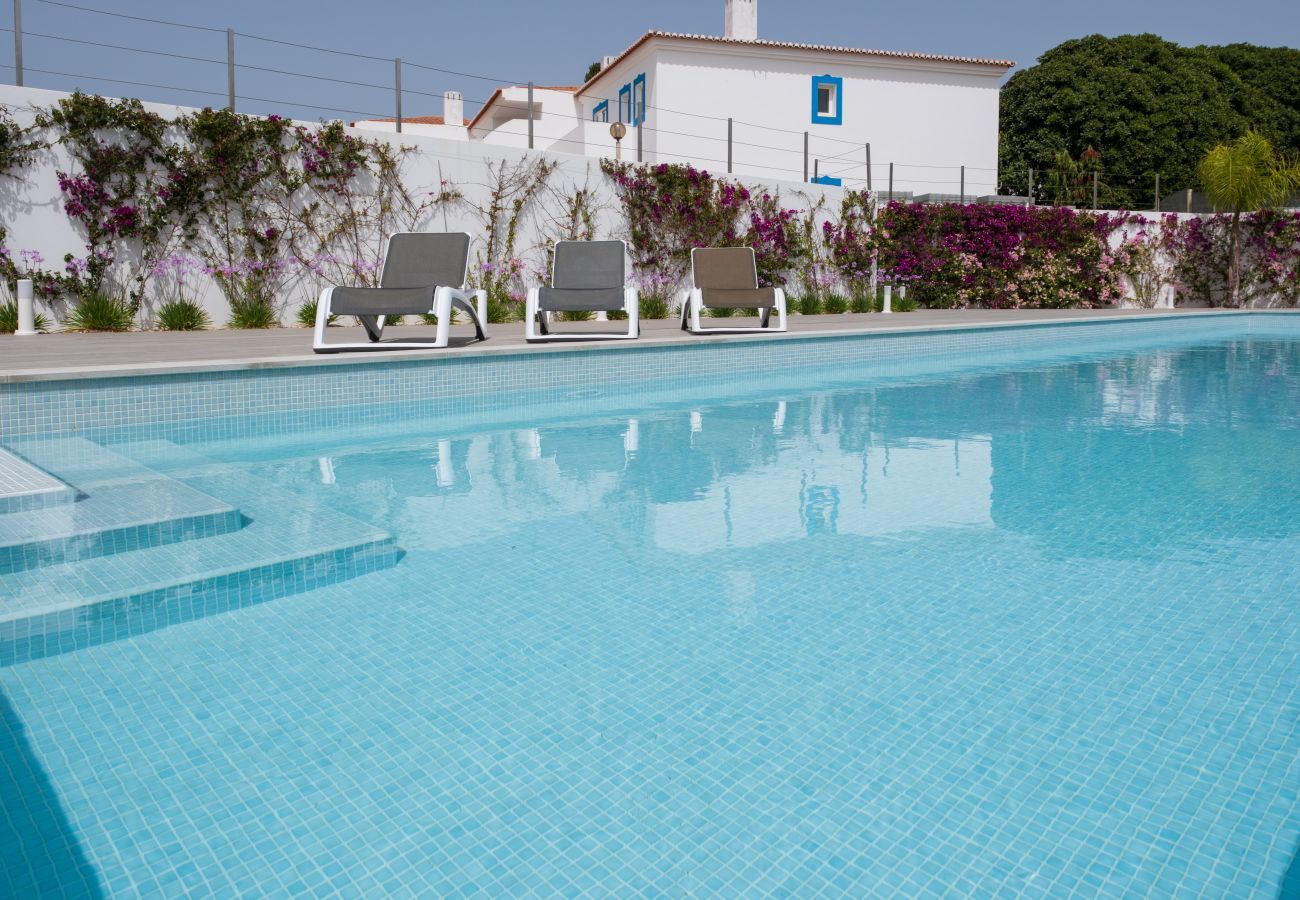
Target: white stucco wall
(31,206)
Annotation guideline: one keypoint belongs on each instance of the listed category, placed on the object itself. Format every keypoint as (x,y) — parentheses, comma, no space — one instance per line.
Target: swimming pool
(1014,616)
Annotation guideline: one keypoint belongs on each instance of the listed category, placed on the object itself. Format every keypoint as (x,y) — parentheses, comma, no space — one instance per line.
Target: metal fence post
(638,142)
(1157,205)
(530,115)
(891,182)
(868,167)
(728,145)
(397,92)
(1029,196)
(963,186)
(805,157)
(18,42)
(816,170)
(230,69)
(1094,188)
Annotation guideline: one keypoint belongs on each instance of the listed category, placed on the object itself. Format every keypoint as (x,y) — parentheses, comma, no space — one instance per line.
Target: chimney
(740,20)
(606,62)
(453,108)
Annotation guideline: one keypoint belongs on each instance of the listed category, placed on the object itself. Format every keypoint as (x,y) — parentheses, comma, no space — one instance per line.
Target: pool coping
(670,340)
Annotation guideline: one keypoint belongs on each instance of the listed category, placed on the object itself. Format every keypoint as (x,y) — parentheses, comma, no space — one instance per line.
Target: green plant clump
(721,312)
(654,307)
(903,304)
(252,314)
(575,315)
(182,315)
(808,305)
(862,303)
(100,312)
(306,315)
(9,319)
(835,303)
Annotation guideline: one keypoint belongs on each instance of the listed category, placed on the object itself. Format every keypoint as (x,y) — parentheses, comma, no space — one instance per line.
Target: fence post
(638,142)
(1094,188)
(18,42)
(728,145)
(875,254)
(963,185)
(891,182)
(805,157)
(1157,205)
(816,170)
(868,167)
(397,92)
(530,115)
(230,69)
(1029,197)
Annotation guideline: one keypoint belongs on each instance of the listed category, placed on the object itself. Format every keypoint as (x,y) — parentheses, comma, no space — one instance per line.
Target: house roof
(568,88)
(787,45)
(410,120)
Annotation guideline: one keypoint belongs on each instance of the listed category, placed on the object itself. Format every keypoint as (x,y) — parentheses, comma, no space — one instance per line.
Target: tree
(1146,105)
(1240,177)
(592,71)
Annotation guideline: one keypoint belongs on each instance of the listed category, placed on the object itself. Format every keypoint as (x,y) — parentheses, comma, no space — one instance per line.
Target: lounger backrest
(589,265)
(724,268)
(421,260)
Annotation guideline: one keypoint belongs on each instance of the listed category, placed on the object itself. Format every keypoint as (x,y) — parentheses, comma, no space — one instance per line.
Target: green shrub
(182,315)
(861,303)
(618,315)
(655,307)
(835,303)
(306,315)
(577,315)
(100,312)
(747,311)
(903,304)
(503,309)
(808,305)
(721,312)
(9,319)
(252,314)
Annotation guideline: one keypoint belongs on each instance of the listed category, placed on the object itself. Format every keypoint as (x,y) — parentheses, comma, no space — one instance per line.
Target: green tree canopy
(1147,105)
(592,70)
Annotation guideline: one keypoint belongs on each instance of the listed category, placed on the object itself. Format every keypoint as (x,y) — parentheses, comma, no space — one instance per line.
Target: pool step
(25,486)
(285,546)
(117,505)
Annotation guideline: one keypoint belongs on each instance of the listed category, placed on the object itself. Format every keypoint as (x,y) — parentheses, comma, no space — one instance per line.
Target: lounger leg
(697,305)
(322,319)
(374,326)
(632,303)
(780,309)
(530,314)
(480,303)
(442,309)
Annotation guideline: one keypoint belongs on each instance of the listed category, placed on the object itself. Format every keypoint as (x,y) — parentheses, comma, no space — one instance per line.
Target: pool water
(1024,630)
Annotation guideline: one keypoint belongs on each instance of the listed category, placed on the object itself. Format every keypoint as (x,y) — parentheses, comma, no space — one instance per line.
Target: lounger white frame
(693,305)
(443,304)
(532,309)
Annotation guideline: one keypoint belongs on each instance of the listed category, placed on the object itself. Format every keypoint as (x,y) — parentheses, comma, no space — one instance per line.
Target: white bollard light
(889,299)
(26,307)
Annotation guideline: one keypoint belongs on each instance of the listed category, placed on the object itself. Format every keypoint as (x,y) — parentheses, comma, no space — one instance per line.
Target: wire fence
(778,153)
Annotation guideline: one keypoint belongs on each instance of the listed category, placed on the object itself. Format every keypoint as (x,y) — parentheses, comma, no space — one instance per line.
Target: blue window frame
(625,103)
(601,112)
(827,100)
(638,99)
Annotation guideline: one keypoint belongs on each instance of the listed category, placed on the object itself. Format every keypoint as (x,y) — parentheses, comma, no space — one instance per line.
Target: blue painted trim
(625,107)
(838,117)
(638,99)
(600,112)
(828,179)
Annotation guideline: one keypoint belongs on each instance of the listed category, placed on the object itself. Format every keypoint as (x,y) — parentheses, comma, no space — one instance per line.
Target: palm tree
(1243,176)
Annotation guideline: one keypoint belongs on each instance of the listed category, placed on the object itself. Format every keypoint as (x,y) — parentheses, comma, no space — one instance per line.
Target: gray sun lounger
(727,277)
(423,274)
(586,276)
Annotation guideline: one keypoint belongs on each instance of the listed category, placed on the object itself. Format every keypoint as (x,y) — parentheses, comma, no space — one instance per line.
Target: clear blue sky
(549,43)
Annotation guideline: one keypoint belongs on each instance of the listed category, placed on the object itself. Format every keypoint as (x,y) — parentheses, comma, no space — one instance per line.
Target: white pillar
(889,298)
(26,307)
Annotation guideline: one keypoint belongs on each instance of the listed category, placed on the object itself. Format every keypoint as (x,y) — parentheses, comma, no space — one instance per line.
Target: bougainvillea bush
(980,255)
(1270,268)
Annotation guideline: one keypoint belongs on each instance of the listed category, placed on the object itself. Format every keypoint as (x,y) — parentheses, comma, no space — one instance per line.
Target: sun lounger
(727,278)
(586,276)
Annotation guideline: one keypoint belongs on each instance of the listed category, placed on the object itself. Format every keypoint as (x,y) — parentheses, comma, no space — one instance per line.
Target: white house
(771,109)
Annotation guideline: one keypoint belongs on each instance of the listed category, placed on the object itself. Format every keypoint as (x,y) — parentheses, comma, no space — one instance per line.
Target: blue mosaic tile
(1025,627)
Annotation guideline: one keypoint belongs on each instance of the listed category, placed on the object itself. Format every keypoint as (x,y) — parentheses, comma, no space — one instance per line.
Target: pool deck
(62,356)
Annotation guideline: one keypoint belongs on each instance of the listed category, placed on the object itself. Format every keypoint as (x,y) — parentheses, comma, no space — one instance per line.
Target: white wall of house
(926,116)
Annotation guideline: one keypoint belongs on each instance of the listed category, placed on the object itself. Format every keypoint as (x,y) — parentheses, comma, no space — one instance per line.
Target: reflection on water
(1116,456)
